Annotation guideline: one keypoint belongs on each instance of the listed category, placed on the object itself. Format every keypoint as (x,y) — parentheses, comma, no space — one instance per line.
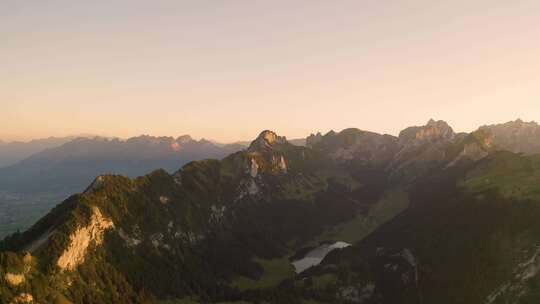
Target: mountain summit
(516,136)
(266,140)
(431,132)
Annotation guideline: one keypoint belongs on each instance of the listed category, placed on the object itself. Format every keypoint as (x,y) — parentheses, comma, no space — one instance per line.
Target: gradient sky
(226,70)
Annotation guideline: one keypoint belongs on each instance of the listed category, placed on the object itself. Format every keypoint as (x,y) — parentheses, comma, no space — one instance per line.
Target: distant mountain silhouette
(73,164)
(12,152)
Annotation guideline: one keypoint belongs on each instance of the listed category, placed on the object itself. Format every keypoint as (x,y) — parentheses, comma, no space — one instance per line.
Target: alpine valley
(429,216)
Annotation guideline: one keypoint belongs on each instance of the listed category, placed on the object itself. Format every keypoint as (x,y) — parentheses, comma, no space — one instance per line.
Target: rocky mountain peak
(519,123)
(313,139)
(266,140)
(516,136)
(434,130)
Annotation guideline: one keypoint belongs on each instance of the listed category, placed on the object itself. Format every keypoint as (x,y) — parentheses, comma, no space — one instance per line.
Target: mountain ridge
(12,152)
(220,225)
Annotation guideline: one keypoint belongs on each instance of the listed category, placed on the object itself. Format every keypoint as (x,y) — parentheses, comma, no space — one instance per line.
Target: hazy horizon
(209,138)
(244,139)
(226,71)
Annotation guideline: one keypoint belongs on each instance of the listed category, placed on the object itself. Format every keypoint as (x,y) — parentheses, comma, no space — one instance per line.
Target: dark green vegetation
(471,236)
(435,217)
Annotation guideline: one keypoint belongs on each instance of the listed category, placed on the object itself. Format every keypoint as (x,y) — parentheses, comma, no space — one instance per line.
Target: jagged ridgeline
(169,236)
(433,216)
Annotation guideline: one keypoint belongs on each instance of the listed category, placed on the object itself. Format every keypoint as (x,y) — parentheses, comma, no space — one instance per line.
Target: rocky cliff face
(422,149)
(82,238)
(313,139)
(355,145)
(433,131)
(416,151)
(266,140)
(515,136)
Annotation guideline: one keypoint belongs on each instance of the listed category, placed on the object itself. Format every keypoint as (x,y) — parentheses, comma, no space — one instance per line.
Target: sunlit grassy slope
(392,203)
(275,271)
(512,175)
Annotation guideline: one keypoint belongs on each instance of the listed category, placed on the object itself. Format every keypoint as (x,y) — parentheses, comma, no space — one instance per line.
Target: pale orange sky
(228,69)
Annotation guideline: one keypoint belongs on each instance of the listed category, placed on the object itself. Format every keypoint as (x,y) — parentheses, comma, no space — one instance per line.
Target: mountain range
(429,216)
(30,187)
(75,163)
(13,152)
